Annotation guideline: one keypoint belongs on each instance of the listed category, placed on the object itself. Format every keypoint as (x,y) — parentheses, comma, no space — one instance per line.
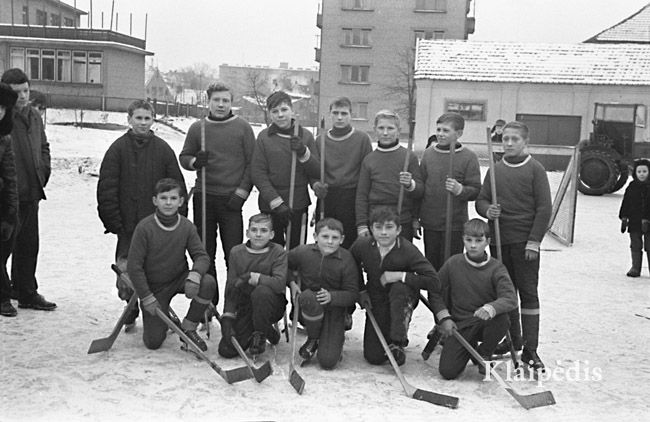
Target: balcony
(319,20)
(317,54)
(69,33)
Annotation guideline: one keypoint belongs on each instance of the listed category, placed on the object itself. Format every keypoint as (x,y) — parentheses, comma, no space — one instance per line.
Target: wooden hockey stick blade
(545,398)
(103,344)
(261,373)
(296,381)
(231,375)
(416,393)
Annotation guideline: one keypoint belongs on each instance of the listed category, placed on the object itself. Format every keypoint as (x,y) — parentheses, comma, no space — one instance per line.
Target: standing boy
(271,168)
(32,157)
(229,143)
(524,211)
(254,298)
(476,294)
(130,169)
(396,271)
(345,149)
(158,267)
(381,177)
(329,285)
(464,184)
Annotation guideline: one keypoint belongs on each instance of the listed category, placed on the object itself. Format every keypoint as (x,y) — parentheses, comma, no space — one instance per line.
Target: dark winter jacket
(31,154)
(8,189)
(636,204)
(127,177)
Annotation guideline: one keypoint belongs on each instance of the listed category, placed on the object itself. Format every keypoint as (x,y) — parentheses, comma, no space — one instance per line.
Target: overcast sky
(266,32)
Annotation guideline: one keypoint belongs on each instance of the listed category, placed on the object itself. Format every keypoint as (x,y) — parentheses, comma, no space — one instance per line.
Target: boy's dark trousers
(218,217)
(5,283)
(454,357)
(25,251)
(638,243)
(154,328)
(393,311)
(258,308)
(325,323)
(434,246)
(525,277)
(339,204)
(280,227)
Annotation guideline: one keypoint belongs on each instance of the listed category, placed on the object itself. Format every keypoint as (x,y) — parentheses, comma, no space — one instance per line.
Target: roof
(633,29)
(64,5)
(589,64)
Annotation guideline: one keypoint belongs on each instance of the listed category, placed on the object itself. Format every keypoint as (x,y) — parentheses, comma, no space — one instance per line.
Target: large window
(94,67)
(63,66)
(33,64)
(360,110)
(59,65)
(25,15)
(79,66)
(68,22)
(47,65)
(358,37)
(41,17)
(470,110)
(427,34)
(431,5)
(18,58)
(55,20)
(356,4)
(355,74)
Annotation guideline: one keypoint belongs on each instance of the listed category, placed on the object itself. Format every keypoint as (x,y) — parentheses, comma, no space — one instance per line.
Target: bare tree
(402,88)
(256,86)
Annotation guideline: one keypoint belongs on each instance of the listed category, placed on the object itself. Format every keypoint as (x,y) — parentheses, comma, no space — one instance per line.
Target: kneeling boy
(329,285)
(476,296)
(255,288)
(158,267)
(396,271)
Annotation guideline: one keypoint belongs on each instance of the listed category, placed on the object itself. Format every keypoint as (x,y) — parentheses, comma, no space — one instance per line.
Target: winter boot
(258,343)
(635,271)
(398,353)
(196,339)
(308,350)
(273,336)
(532,360)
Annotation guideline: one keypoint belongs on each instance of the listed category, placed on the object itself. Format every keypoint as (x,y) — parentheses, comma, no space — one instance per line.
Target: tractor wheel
(598,173)
(622,179)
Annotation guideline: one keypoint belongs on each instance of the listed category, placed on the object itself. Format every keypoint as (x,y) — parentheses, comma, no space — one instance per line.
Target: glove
(364,300)
(192,284)
(645,226)
(623,225)
(150,304)
(320,189)
(201,159)
(227,325)
(283,213)
(417,229)
(298,146)
(6,229)
(235,202)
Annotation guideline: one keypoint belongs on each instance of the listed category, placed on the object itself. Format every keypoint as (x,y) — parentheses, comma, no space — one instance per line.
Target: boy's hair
(14,76)
(140,104)
(383,214)
(521,127)
(330,223)
(261,218)
(7,99)
(476,227)
(218,87)
(454,119)
(387,114)
(341,102)
(277,98)
(168,184)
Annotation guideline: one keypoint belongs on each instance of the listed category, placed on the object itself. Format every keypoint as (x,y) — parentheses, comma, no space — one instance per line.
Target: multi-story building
(367,47)
(73,66)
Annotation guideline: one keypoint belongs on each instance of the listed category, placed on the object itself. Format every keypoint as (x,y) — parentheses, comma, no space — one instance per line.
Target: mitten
(192,284)
(6,229)
(298,146)
(320,189)
(235,203)
(150,304)
(364,300)
(227,325)
(201,159)
(283,213)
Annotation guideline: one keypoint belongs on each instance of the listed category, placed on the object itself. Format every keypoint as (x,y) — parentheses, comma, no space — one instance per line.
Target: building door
(552,130)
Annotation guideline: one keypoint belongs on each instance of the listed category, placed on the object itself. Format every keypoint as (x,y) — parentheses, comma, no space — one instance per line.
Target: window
(55,20)
(25,15)
(33,64)
(68,22)
(469,110)
(63,66)
(429,35)
(41,17)
(356,37)
(356,4)
(47,65)
(18,58)
(360,110)
(431,5)
(354,74)
(79,66)
(94,68)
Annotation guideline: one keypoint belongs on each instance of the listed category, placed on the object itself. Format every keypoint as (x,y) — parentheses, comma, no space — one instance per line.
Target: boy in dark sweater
(329,284)
(254,298)
(635,214)
(130,169)
(396,271)
(158,267)
(524,211)
(271,168)
(476,294)
(381,177)
(229,144)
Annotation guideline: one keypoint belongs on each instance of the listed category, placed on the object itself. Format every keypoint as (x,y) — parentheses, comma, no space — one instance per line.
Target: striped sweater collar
(459,147)
(476,264)
(389,149)
(220,122)
(257,251)
(522,163)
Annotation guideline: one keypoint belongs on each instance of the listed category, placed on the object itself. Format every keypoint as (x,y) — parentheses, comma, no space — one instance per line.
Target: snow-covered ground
(591,339)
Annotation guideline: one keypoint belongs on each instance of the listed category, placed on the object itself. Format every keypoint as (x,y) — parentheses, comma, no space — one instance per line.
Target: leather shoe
(7,309)
(37,302)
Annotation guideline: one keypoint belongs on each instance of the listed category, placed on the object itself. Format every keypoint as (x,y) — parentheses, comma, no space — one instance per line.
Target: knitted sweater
(230,145)
(270,262)
(336,272)
(271,170)
(525,198)
(157,254)
(379,182)
(466,286)
(343,158)
(435,169)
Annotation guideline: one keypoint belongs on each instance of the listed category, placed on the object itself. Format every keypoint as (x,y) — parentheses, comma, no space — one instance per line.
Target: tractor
(620,135)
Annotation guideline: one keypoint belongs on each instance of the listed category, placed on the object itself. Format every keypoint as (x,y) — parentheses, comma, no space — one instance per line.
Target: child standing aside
(635,214)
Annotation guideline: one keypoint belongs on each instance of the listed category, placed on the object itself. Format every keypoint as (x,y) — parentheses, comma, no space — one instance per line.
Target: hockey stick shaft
(206,314)
(450,203)
(322,164)
(405,167)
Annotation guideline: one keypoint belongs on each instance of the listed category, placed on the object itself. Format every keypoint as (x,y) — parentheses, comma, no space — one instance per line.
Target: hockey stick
(322,164)
(206,314)
(545,398)
(103,344)
(416,393)
(296,381)
(450,203)
(405,167)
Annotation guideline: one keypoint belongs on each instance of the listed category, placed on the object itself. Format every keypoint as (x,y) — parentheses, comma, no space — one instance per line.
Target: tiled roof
(591,64)
(634,29)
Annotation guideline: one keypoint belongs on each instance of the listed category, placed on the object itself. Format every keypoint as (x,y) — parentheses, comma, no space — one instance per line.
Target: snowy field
(591,339)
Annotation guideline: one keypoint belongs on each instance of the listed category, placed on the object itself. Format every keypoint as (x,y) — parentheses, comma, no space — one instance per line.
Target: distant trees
(402,86)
